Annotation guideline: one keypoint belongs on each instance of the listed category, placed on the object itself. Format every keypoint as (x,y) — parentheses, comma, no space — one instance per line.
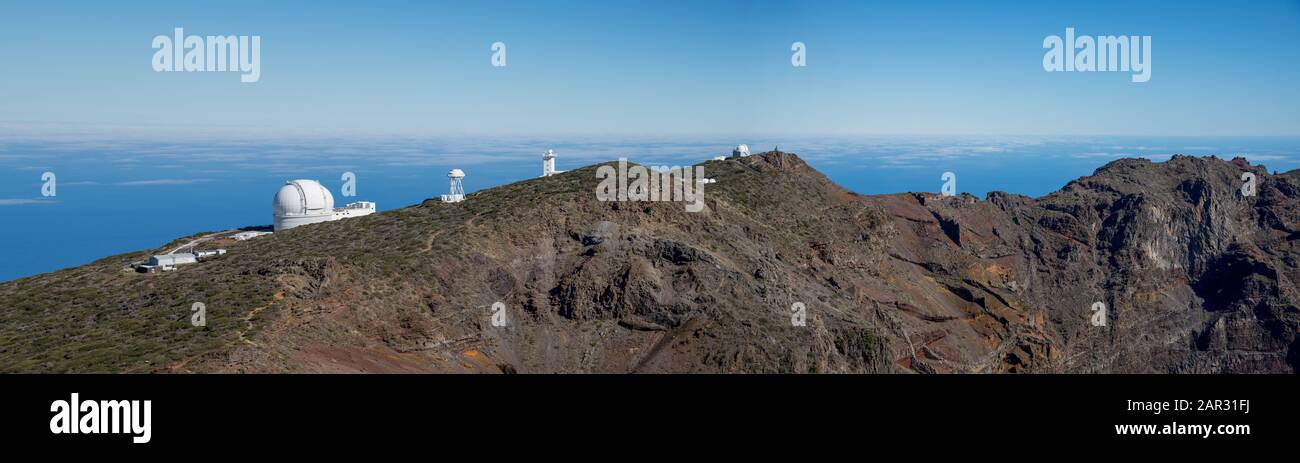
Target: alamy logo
(50,187)
(499,314)
(1248,184)
(638,183)
(209,54)
(949,187)
(200,316)
(102,417)
(798,314)
(1098,314)
(498,54)
(1105,53)
(349,184)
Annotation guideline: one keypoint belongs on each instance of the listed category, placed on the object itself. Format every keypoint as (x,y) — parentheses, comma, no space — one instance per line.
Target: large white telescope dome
(300,202)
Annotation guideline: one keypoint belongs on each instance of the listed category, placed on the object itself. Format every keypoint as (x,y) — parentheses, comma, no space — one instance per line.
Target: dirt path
(248,326)
(198,240)
(428,242)
(248,318)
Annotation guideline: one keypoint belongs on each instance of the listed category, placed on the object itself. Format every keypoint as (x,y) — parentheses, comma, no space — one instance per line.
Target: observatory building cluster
(303,201)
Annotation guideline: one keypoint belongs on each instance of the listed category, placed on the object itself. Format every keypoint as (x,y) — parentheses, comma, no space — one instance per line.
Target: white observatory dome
(300,202)
(740,151)
(456,173)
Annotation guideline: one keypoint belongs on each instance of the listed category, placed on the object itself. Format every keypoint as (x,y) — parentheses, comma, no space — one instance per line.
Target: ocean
(116,196)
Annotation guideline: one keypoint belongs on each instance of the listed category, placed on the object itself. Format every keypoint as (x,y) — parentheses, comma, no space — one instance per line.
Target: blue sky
(685,68)
(894,95)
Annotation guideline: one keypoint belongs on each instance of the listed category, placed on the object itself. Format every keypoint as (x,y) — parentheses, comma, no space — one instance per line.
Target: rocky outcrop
(1174,252)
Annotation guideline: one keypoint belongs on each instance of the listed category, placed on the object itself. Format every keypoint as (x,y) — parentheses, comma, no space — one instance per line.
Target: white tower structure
(740,151)
(300,202)
(548,164)
(457,189)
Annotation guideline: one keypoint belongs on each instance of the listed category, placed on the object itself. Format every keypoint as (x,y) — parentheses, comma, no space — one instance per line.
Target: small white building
(357,209)
(741,151)
(204,254)
(167,262)
(172,260)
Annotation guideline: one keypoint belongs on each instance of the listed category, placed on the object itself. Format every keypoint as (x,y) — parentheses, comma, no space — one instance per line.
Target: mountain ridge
(1195,279)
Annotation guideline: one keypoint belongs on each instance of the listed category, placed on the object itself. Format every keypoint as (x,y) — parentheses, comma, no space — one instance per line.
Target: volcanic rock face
(1194,277)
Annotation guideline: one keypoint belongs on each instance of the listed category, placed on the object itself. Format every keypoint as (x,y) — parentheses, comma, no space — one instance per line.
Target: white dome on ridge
(303,197)
(300,202)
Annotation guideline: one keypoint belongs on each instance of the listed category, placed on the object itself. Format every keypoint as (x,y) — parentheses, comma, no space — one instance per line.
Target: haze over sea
(117,196)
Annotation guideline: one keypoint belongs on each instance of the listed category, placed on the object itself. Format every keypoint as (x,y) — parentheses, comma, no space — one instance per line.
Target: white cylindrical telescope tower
(548,163)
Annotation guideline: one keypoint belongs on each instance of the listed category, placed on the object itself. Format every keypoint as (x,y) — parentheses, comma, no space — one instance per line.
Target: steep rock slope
(1194,276)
